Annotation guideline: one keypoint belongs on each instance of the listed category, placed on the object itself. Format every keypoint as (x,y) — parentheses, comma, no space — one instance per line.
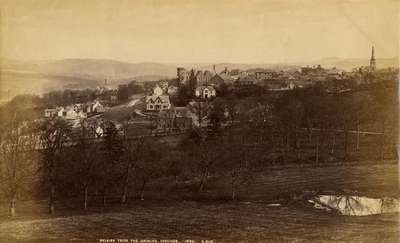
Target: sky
(184,31)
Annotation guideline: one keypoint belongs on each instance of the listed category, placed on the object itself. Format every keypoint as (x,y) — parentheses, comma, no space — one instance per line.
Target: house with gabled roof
(50,112)
(216,80)
(71,113)
(248,80)
(205,92)
(158,102)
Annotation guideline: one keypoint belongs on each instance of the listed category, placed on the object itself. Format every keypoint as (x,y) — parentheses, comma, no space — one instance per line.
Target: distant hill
(349,64)
(37,77)
(92,68)
(17,77)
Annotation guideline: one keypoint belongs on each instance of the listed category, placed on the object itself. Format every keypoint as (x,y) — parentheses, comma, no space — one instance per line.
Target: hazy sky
(177,31)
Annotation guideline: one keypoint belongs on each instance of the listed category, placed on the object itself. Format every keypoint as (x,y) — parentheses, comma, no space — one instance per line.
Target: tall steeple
(372,62)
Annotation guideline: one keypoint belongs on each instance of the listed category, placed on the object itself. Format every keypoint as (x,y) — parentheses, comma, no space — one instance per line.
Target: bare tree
(361,103)
(87,159)
(17,153)
(202,153)
(175,165)
(133,152)
(111,153)
(345,117)
(150,165)
(235,162)
(201,110)
(385,110)
(54,135)
(290,112)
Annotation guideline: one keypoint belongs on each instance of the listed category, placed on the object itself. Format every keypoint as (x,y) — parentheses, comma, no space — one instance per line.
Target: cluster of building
(76,111)
(273,80)
(177,119)
(204,85)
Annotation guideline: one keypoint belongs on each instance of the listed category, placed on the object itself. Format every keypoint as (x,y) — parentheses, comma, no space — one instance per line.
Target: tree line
(240,138)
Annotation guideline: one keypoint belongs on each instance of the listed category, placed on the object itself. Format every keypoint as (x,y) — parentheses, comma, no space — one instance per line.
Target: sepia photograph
(199,121)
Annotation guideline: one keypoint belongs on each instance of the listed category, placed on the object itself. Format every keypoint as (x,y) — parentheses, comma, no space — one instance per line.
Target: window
(151,106)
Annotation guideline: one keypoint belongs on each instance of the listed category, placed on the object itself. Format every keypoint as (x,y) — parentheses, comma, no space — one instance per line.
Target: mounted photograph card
(199,121)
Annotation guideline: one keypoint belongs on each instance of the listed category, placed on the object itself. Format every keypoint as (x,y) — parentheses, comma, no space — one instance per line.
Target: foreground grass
(250,219)
(218,221)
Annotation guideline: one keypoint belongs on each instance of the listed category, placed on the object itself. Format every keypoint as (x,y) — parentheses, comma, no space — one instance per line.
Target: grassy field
(217,221)
(249,219)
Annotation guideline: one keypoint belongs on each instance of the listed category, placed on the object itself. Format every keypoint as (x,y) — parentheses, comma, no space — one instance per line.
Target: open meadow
(273,208)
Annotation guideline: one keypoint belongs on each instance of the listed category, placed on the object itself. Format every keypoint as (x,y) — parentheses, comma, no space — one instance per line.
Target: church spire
(372,62)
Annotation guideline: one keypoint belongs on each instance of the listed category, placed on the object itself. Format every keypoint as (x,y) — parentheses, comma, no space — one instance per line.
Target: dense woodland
(40,159)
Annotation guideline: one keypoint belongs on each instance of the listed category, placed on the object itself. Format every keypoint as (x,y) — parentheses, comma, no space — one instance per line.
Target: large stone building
(266,75)
(203,77)
(183,75)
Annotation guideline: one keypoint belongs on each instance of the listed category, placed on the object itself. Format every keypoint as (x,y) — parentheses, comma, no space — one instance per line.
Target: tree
(217,114)
(112,149)
(54,135)
(235,163)
(231,109)
(123,92)
(361,103)
(323,118)
(191,84)
(344,111)
(290,110)
(22,108)
(134,88)
(201,110)
(17,157)
(150,165)
(202,153)
(133,152)
(86,160)
(182,97)
(174,161)
(222,90)
(385,111)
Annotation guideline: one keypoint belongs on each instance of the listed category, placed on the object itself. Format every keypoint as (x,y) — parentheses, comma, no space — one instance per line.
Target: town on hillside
(243,146)
(169,106)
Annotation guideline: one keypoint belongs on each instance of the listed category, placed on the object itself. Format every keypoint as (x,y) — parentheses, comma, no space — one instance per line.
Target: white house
(95,107)
(158,102)
(70,113)
(205,92)
(158,90)
(50,112)
(61,112)
(98,108)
